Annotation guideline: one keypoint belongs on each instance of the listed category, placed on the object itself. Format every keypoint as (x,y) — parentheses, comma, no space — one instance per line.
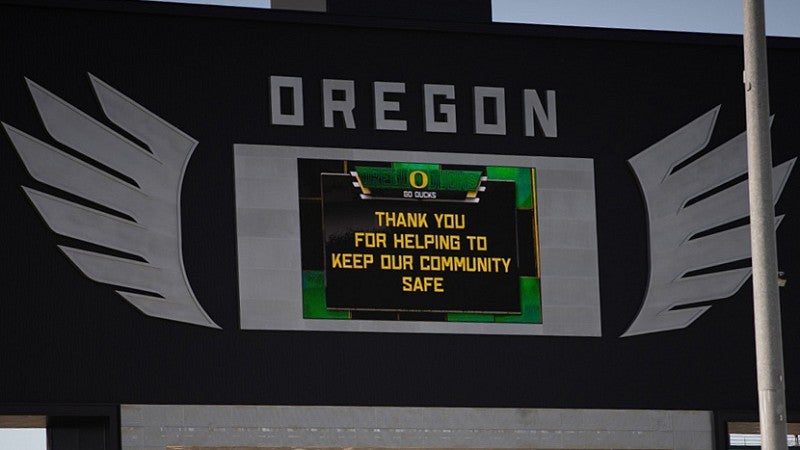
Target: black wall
(65,338)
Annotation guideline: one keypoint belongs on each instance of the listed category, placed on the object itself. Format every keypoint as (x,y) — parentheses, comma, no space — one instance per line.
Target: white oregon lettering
(437,100)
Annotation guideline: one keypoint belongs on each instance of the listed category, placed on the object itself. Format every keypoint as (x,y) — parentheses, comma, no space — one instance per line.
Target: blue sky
(710,16)
(22,439)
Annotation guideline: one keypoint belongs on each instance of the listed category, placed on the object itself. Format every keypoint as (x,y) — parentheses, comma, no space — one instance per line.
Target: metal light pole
(766,303)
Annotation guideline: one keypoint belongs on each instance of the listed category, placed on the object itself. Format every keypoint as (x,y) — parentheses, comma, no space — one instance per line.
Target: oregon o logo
(412,177)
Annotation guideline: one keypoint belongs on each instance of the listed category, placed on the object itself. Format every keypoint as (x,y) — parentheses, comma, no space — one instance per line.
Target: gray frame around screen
(268,242)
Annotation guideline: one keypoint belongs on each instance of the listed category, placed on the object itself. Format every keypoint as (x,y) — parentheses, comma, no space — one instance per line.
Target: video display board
(413,241)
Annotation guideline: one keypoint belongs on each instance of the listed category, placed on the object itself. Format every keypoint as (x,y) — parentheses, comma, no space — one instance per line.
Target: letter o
(412,177)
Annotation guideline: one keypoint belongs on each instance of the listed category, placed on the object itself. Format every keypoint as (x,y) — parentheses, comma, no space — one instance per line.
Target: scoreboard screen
(418,241)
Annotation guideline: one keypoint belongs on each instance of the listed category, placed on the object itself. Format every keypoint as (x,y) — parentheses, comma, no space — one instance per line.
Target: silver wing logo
(152,201)
(692,210)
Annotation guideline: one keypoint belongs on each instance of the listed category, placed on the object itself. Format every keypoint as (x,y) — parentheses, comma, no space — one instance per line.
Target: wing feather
(161,308)
(727,162)
(141,276)
(90,225)
(702,288)
(708,251)
(169,144)
(653,165)
(75,176)
(78,131)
